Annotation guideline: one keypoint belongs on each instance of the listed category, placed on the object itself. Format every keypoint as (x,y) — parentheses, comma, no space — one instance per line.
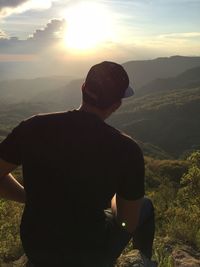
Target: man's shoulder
(42,117)
(130,144)
(124,137)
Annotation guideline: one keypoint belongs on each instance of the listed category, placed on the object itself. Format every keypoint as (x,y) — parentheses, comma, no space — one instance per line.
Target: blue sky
(122,29)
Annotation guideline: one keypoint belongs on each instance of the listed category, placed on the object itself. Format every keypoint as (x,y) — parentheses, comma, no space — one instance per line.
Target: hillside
(140,72)
(64,92)
(24,90)
(65,97)
(144,71)
(164,117)
(187,79)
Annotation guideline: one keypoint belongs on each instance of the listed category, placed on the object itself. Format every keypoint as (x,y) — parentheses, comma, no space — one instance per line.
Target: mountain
(144,71)
(57,89)
(187,79)
(140,72)
(24,98)
(65,97)
(164,117)
(24,90)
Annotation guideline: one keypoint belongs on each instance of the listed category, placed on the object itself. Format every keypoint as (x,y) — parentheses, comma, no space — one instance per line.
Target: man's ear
(82,87)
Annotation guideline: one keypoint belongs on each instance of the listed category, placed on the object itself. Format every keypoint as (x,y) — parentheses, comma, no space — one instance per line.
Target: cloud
(185,43)
(8,7)
(53,30)
(182,35)
(11,3)
(2,35)
(40,41)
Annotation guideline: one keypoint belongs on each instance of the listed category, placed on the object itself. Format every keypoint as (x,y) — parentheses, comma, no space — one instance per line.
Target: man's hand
(127,212)
(10,188)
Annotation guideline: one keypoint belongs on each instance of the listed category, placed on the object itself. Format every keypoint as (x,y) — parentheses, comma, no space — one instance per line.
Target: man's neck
(91,109)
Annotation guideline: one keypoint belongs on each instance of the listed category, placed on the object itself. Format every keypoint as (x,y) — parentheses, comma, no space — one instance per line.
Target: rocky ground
(180,257)
(185,257)
(130,259)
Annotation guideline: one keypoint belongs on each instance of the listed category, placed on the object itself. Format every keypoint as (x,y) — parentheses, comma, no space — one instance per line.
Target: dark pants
(118,238)
(142,239)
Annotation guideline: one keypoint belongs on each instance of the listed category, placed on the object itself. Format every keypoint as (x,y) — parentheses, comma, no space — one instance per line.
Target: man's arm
(10,188)
(127,212)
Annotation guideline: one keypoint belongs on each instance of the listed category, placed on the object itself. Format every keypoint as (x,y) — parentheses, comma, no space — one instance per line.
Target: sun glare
(88,26)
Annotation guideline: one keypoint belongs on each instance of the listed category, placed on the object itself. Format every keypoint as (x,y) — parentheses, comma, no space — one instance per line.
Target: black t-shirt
(73,163)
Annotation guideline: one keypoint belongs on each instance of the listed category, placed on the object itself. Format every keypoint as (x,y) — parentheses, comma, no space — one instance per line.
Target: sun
(87,26)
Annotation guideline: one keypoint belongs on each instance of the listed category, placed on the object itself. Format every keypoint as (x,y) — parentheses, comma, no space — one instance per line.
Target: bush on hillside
(186,211)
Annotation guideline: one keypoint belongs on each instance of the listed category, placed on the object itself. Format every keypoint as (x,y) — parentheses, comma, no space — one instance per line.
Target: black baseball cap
(105,84)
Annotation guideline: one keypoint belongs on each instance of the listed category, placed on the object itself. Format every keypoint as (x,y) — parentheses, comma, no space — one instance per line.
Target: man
(73,165)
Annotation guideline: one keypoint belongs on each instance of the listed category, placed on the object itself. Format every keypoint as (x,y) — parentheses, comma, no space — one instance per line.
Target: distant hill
(167,116)
(187,79)
(57,89)
(24,90)
(65,97)
(25,98)
(142,72)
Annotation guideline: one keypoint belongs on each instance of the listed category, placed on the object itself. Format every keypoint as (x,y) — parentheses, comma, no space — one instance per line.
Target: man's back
(73,164)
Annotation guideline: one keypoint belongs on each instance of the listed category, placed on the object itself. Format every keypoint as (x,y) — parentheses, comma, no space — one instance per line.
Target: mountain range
(163,115)
(188,79)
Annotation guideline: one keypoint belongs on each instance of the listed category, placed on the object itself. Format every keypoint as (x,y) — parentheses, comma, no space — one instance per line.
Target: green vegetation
(168,120)
(10,245)
(174,187)
(10,215)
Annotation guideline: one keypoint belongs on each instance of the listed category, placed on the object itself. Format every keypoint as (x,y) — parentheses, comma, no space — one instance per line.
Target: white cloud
(53,30)
(180,35)
(8,7)
(41,40)
(2,35)
(185,43)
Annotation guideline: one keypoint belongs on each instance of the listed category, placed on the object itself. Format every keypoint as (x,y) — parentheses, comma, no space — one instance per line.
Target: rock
(21,262)
(130,259)
(185,257)
(6,265)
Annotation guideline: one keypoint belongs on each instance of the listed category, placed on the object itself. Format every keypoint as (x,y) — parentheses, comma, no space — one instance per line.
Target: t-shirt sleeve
(131,180)
(11,146)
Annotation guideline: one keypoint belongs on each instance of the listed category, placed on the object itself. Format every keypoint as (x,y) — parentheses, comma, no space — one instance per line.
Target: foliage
(185,214)
(10,215)
(10,245)
(162,252)
(177,205)
(160,171)
(168,120)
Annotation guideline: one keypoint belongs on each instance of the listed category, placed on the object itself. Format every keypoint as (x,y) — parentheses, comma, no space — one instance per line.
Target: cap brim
(129,92)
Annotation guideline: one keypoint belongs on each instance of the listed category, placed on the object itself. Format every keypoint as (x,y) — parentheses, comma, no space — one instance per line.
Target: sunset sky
(113,29)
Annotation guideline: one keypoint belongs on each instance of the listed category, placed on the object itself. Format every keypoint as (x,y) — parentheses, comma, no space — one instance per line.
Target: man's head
(105,85)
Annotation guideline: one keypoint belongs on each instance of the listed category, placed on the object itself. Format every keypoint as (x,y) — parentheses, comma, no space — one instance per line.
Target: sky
(75,32)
